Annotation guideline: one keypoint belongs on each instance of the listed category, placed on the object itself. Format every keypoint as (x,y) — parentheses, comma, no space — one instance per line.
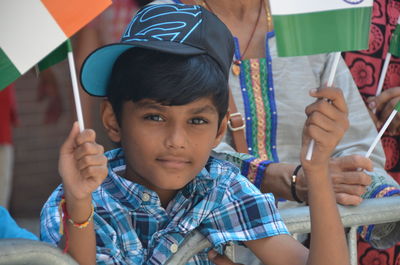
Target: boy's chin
(174,185)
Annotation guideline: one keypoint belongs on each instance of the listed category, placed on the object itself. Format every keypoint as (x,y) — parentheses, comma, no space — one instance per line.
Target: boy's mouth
(173,162)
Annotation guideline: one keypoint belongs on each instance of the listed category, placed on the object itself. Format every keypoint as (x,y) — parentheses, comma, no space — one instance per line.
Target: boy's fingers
(324,107)
(92,160)
(87,135)
(322,121)
(335,95)
(69,144)
(88,148)
(96,172)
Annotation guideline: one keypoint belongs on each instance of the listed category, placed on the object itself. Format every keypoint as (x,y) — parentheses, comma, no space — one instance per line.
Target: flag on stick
(56,56)
(394,49)
(313,26)
(30,30)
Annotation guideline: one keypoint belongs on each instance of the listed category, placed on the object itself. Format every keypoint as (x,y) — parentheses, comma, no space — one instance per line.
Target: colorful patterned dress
(365,67)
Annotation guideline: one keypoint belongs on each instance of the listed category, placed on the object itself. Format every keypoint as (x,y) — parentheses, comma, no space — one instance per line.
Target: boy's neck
(165,196)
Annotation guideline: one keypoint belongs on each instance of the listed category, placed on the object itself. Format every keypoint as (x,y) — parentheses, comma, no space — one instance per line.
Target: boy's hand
(82,164)
(326,124)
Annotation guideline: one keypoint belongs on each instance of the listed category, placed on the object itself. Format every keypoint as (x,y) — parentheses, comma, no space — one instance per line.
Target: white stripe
(291,7)
(28,32)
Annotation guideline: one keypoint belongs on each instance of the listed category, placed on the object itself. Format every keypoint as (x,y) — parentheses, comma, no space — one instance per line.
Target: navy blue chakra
(353,2)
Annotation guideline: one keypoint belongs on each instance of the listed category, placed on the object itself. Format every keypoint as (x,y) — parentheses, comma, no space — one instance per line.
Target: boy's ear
(221,130)
(110,122)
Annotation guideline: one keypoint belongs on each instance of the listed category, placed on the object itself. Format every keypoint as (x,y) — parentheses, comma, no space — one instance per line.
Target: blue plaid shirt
(132,227)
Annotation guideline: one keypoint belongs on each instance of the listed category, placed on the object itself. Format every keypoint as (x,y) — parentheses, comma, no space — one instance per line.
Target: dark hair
(166,78)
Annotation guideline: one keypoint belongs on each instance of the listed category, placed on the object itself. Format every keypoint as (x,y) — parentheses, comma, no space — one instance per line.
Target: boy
(167,100)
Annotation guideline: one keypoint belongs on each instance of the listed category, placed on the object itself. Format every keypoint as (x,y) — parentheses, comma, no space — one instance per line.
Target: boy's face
(167,146)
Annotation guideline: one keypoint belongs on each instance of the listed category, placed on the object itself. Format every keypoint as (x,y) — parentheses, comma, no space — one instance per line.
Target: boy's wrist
(311,169)
(78,210)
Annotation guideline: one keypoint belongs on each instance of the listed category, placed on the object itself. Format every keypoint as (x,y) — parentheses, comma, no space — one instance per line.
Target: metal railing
(24,251)
(297,220)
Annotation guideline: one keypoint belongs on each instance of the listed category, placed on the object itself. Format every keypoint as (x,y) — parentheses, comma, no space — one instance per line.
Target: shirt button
(145,197)
(173,248)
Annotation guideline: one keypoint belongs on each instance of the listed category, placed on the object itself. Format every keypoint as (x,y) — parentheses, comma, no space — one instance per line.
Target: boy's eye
(154,117)
(197,121)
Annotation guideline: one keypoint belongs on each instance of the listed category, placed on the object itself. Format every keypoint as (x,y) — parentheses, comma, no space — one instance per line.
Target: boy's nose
(176,137)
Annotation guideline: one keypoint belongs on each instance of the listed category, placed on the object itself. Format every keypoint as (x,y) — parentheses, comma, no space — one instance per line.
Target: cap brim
(96,69)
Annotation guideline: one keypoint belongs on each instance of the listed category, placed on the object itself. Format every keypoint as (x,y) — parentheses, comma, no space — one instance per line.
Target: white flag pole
(329,84)
(383,129)
(383,74)
(75,89)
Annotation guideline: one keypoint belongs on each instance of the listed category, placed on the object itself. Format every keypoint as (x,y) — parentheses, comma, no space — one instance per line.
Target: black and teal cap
(171,28)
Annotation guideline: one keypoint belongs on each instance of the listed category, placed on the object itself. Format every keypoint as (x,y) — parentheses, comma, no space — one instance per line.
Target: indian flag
(305,27)
(31,29)
(56,56)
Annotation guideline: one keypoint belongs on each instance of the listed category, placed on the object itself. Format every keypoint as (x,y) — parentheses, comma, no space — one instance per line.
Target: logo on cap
(150,24)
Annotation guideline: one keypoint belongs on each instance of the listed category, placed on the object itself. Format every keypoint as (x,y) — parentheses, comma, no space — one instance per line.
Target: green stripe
(55,56)
(397,107)
(8,72)
(395,42)
(322,32)
(267,107)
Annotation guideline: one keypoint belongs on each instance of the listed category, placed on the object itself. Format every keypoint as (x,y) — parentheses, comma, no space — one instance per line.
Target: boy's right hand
(326,123)
(82,164)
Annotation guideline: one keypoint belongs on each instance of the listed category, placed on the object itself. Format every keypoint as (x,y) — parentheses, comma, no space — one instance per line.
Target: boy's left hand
(326,123)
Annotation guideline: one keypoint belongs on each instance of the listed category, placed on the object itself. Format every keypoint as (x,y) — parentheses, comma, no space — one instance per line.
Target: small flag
(30,30)
(395,41)
(56,56)
(313,26)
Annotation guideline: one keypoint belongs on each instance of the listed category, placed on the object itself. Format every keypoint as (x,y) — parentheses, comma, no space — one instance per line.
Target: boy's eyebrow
(151,105)
(204,109)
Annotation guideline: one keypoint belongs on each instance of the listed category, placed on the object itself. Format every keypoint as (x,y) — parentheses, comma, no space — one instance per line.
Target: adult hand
(383,106)
(348,178)
(48,89)
(220,259)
